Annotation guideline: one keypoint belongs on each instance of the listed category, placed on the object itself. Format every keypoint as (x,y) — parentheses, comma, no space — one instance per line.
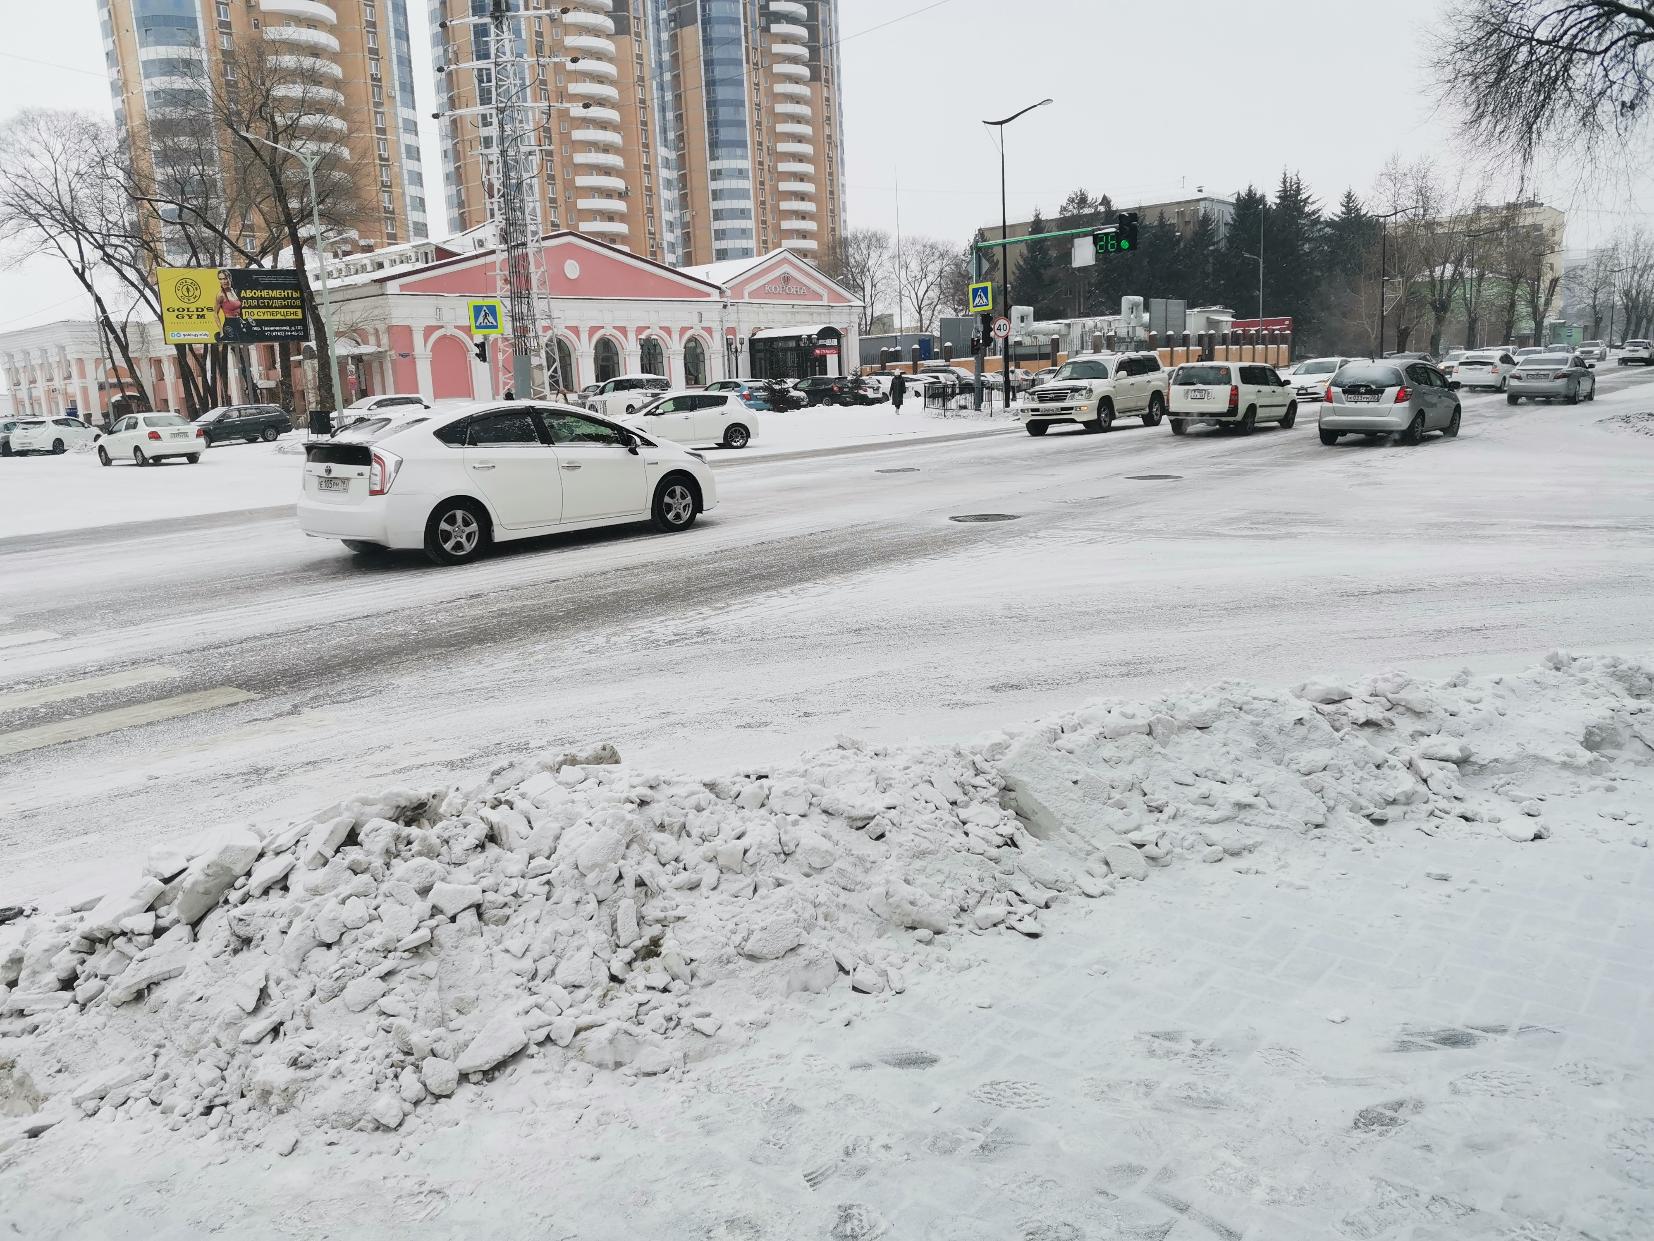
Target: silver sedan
(1553,377)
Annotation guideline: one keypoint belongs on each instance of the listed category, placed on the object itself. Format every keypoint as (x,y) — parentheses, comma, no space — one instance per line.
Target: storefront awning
(785,333)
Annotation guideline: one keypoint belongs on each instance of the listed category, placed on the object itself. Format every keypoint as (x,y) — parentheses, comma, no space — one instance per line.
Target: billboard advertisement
(231,305)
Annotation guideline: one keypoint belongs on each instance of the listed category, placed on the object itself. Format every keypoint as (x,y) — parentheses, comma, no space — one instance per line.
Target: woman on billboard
(232,329)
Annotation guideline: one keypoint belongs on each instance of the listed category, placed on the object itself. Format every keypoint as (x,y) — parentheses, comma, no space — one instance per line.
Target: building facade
(160,52)
(686,131)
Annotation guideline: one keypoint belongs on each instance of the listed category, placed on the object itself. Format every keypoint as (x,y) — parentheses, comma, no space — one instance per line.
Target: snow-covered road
(231,669)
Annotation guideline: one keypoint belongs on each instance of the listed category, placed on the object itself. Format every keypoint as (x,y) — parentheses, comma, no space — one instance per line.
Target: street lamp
(1383,264)
(309,162)
(1004,236)
(1259,258)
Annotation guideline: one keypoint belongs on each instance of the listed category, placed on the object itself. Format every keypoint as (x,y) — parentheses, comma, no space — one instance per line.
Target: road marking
(86,685)
(101,722)
(24,636)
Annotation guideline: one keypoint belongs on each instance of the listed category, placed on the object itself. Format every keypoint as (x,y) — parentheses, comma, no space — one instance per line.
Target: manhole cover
(1154,478)
(986,517)
(901,469)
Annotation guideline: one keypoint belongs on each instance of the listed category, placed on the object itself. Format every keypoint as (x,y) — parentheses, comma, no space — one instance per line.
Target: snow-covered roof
(806,329)
(727,272)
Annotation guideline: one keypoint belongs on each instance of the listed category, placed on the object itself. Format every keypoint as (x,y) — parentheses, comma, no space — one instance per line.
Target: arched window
(606,358)
(567,377)
(654,357)
(694,363)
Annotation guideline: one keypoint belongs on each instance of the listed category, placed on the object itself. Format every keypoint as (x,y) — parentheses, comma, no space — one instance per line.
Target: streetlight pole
(1383,267)
(309,162)
(1004,236)
(1259,257)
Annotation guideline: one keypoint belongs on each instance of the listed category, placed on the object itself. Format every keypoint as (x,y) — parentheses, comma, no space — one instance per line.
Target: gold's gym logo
(187,290)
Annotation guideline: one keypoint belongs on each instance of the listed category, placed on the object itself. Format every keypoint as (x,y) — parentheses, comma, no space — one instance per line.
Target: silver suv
(1393,397)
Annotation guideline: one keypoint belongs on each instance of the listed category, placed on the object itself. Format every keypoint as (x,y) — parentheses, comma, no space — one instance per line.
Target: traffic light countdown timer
(1120,238)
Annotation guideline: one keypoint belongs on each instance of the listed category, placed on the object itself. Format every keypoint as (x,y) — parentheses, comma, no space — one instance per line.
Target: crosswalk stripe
(24,698)
(100,722)
(23,637)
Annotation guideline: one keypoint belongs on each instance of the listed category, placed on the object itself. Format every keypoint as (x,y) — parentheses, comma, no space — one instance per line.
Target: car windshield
(1317,366)
(165,420)
(1367,374)
(1209,374)
(1082,370)
(1592,344)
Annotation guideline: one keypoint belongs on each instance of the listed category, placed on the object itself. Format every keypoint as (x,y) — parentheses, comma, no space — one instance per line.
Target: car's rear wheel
(675,504)
(268,435)
(1157,410)
(251,439)
(1248,422)
(138,457)
(57,448)
(103,456)
(1180,426)
(1452,429)
(456,532)
(1512,399)
(1329,438)
(1573,395)
(1591,393)
(362,548)
(1038,428)
(1291,416)
(192,457)
(736,436)
(1504,382)
(1414,434)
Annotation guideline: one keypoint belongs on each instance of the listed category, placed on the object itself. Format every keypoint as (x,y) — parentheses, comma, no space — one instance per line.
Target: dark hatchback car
(244,422)
(837,390)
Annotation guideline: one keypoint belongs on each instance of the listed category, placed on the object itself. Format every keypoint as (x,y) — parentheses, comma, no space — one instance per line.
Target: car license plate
(333,484)
(1198,394)
(178,435)
(1360,398)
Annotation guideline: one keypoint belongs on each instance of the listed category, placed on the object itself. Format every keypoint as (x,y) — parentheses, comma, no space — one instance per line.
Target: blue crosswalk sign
(982,298)
(487,318)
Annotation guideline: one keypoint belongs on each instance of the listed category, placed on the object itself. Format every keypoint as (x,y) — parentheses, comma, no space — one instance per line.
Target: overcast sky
(1152,101)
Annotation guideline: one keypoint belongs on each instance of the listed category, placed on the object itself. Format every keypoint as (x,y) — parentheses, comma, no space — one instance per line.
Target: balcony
(613,206)
(796,187)
(795,148)
(800,226)
(298,36)
(606,228)
(315,122)
(594,182)
(786,69)
(600,6)
(595,115)
(308,95)
(576,20)
(808,170)
(793,90)
(595,68)
(793,109)
(589,45)
(597,137)
(598,159)
(786,30)
(792,51)
(594,90)
(793,128)
(797,204)
(800,244)
(286,63)
(789,8)
(308,10)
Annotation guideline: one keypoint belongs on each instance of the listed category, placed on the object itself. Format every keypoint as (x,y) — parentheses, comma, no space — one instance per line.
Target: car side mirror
(631,442)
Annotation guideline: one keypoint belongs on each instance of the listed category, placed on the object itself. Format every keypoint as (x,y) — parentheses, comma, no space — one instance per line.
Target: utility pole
(1004,237)
(1384,266)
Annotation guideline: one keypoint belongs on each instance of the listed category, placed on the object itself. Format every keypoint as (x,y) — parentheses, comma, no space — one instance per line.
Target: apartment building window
(226,42)
(379,121)
(373,69)
(223,12)
(389,200)
(378,93)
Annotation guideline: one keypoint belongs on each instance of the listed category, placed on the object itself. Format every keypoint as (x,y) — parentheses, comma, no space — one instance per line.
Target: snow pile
(345,971)
(1638,424)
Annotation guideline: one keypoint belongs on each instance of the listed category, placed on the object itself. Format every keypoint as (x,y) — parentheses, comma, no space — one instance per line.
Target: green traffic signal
(1125,245)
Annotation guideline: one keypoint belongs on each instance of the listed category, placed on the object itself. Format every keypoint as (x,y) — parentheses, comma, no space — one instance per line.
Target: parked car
(245,422)
(479,473)
(385,400)
(826,390)
(1638,351)
(1449,365)
(1391,397)
(1410,357)
(695,417)
(1485,368)
(1559,376)
(1309,378)
(1235,396)
(1529,351)
(1593,350)
(626,394)
(54,435)
(1096,388)
(148,439)
(761,394)
(6,428)
(1043,375)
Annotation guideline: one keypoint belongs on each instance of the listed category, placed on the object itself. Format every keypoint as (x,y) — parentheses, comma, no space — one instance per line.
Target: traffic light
(481,350)
(1125,229)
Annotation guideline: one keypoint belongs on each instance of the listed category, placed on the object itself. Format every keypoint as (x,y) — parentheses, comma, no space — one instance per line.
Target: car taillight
(1402,395)
(382,472)
(200,433)
(1560,375)
(154,435)
(1234,396)
(1327,395)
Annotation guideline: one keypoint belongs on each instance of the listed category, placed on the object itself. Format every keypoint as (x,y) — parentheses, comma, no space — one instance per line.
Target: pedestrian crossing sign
(982,298)
(487,318)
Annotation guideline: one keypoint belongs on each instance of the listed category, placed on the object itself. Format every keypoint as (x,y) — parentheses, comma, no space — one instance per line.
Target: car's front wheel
(456,532)
(1104,419)
(675,504)
(103,456)
(1038,428)
(736,436)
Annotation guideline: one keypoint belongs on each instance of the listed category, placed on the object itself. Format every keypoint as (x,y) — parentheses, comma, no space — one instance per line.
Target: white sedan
(486,472)
(54,435)
(148,439)
(697,417)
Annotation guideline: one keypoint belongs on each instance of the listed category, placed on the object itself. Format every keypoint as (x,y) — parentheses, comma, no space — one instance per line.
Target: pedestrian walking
(898,389)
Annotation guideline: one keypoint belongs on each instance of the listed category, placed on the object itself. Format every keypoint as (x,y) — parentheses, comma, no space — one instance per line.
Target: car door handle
(571,465)
(481,465)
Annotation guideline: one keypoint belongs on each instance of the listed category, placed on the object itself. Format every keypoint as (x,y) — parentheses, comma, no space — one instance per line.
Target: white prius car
(486,472)
(697,418)
(148,439)
(53,435)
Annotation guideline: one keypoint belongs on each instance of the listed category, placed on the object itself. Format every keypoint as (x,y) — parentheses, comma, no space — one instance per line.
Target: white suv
(1235,396)
(1093,389)
(1486,368)
(626,394)
(1639,351)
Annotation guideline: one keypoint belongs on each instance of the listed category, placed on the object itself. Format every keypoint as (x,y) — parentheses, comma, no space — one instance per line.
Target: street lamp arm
(1024,112)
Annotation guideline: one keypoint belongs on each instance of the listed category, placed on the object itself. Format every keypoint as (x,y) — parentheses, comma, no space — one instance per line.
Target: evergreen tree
(1083,288)
(1200,261)
(1293,271)
(1348,237)
(1237,275)
(1037,276)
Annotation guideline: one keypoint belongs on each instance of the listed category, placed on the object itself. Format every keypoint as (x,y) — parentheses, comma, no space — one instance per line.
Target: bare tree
(923,281)
(1522,72)
(861,261)
(1636,287)
(1593,285)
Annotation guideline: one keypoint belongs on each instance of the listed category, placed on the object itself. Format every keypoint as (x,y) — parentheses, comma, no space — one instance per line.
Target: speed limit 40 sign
(1002,328)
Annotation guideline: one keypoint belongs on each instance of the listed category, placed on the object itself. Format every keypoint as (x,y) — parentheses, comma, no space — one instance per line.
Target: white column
(632,361)
(422,369)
